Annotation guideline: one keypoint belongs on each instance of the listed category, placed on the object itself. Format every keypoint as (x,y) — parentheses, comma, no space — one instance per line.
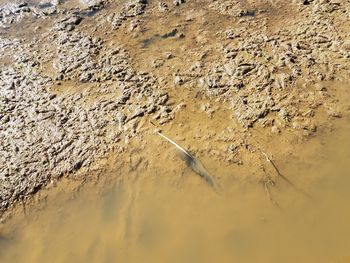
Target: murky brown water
(154,217)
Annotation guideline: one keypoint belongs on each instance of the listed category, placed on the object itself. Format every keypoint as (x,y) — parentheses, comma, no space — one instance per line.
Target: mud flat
(80,80)
(144,205)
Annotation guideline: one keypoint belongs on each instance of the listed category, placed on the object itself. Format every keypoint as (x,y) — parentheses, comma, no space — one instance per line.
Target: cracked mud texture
(79,78)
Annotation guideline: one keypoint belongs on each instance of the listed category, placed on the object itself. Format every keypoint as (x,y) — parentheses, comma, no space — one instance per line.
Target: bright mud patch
(155,214)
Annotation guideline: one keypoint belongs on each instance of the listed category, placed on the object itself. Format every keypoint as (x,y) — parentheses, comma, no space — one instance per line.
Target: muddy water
(155,214)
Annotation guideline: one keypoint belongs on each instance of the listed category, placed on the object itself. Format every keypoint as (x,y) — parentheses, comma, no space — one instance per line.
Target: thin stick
(268,159)
(273,201)
(175,144)
(193,162)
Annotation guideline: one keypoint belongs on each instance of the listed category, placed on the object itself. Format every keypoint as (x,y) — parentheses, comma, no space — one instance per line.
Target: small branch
(268,181)
(268,159)
(273,201)
(192,162)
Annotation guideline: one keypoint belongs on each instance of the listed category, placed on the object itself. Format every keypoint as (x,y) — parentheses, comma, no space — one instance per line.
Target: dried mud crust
(44,135)
(264,68)
(71,90)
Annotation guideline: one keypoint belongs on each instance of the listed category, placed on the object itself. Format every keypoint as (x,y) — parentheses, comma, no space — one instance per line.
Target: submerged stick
(268,159)
(192,162)
(273,201)
(267,181)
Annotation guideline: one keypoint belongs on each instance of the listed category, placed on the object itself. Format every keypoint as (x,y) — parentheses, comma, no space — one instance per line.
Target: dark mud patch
(45,5)
(90,13)
(87,13)
(172,33)
(247,13)
(157,37)
(93,10)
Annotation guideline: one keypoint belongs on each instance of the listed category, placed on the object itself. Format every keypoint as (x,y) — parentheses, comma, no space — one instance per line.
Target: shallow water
(148,218)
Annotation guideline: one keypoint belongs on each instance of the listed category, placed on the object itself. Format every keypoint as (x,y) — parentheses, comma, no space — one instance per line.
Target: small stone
(180,106)
(275,129)
(157,63)
(168,55)
(178,2)
(85,77)
(5,119)
(178,81)
(320,87)
(162,6)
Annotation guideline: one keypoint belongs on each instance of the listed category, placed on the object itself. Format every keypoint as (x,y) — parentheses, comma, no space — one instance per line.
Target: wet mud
(152,208)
